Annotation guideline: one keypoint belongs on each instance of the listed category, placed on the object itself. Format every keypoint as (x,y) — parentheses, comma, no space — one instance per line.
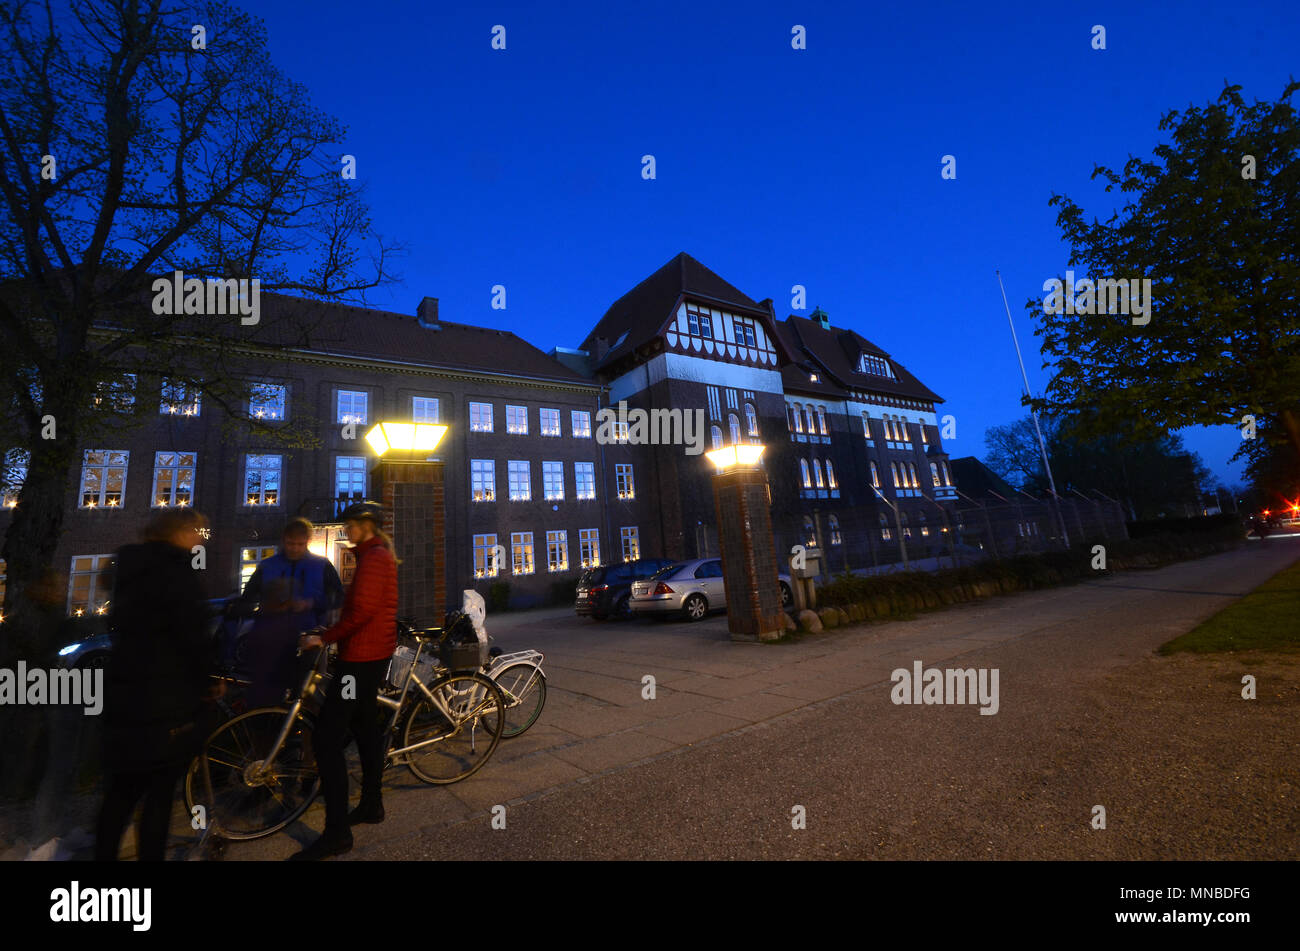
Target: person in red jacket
(367,636)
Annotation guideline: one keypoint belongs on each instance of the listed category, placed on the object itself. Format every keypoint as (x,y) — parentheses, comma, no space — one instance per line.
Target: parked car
(689,588)
(94,651)
(604,591)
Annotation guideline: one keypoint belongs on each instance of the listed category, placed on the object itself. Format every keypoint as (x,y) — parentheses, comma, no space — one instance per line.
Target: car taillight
(597,589)
(662,588)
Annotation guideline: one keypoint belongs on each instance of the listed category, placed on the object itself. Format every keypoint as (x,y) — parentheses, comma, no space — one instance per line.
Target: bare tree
(140,139)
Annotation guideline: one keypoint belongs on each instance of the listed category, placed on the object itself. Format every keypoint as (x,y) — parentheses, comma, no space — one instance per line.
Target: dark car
(93,649)
(605,591)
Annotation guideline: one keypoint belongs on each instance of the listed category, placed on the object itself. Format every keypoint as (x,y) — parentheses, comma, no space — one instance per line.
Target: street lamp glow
(405,437)
(742,454)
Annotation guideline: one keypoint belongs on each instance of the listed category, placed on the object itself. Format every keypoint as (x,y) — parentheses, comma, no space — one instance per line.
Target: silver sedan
(689,588)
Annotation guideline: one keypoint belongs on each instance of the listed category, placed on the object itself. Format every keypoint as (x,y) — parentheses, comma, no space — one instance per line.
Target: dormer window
(698,324)
(814,378)
(876,366)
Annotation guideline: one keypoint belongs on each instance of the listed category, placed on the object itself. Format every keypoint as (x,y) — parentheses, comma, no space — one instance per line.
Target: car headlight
(69,649)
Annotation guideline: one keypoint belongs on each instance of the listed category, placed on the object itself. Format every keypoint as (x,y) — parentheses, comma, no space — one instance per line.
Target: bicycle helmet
(358,510)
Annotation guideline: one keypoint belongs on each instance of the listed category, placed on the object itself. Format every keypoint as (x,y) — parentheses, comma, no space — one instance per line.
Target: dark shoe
(327,845)
(372,811)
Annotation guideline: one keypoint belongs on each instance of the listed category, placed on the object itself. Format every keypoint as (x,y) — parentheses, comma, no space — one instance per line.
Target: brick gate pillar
(749,569)
(415,515)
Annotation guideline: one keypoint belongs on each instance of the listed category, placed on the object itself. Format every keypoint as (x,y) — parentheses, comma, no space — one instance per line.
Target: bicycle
(256,773)
(519,675)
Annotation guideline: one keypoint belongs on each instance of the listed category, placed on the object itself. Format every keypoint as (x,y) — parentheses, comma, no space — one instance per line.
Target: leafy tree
(1272,466)
(138,138)
(1213,220)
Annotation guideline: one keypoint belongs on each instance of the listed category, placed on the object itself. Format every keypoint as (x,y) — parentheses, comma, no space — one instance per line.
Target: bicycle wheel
(249,800)
(454,728)
(524,687)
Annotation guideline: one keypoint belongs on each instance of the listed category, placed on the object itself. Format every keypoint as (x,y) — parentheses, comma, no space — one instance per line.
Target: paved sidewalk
(705,686)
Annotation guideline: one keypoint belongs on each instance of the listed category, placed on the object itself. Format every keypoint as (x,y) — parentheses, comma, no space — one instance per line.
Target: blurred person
(158,678)
(367,636)
(293,591)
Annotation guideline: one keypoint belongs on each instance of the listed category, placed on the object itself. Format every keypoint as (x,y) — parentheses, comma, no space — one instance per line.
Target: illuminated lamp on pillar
(410,480)
(743,501)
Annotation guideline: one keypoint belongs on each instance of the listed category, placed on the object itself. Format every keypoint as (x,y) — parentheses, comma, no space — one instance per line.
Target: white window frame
(589,483)
(557,550)
(589,547)
(580,420)
(268,401)
(480,417)
(175,396)
(104,467)
(519,479)
(553,481)
(555,418)
(629,542)
(625,481)
(482,480)
(355,464)
(351,406)
(420,406)
(516,419)
(485,560)
(99,584)
(279,487)
(175,469)
(521,553)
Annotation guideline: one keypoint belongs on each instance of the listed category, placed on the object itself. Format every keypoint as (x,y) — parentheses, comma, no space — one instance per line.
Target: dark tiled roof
(346,330)
(835,352)
(641,313)
(976,479)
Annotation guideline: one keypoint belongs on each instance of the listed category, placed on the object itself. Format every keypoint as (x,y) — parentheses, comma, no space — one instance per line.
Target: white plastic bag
(474,607)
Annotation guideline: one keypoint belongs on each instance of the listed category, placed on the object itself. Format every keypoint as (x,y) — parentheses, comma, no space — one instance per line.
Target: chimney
(427,313)
(602,348)
(766,304)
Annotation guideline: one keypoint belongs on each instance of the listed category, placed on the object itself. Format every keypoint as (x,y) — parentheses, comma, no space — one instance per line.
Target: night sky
(775,167)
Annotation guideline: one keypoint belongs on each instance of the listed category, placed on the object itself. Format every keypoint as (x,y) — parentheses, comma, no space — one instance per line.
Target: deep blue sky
(775,167)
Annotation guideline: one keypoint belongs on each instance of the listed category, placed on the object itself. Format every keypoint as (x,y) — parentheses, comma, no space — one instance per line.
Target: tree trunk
(1291,423)
(35,595)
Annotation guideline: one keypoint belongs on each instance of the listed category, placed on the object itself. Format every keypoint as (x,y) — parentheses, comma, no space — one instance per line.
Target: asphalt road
(1088,716)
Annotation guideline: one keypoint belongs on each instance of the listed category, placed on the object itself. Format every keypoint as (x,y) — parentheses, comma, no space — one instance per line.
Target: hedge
(902,593)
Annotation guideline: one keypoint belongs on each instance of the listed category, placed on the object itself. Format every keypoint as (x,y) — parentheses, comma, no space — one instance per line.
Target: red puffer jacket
(368,626)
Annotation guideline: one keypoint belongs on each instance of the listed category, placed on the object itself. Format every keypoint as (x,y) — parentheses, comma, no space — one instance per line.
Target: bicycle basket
(400,666)
(459,648)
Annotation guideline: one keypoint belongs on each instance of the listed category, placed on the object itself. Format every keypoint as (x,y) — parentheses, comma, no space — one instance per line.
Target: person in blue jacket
(293,591)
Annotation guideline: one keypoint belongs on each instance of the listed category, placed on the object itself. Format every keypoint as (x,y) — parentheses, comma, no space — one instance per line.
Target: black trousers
(360,716)
(125,789)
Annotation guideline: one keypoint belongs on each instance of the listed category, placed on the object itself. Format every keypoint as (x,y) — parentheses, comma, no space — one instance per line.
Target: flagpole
(1042,446)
